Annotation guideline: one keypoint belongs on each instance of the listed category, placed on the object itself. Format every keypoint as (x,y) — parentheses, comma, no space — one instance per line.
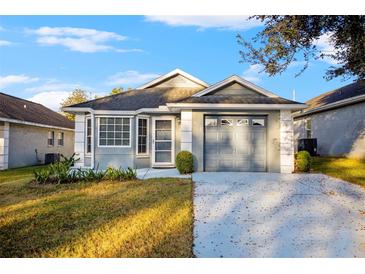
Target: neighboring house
(29,130)
(232,125)
(337,120)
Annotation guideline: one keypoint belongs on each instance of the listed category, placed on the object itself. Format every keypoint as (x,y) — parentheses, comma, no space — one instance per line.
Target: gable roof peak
(238,79)
(171,74)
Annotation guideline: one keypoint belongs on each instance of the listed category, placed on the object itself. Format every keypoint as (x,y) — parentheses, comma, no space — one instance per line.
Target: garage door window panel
(242,122)
(226,122)
(258,122)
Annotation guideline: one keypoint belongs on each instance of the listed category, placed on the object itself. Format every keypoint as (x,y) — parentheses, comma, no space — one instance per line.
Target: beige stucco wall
(273,136)
(339,132)
(25,139)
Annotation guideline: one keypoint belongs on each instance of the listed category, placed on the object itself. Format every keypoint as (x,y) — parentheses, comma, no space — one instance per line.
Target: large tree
(75,97)
(285,39)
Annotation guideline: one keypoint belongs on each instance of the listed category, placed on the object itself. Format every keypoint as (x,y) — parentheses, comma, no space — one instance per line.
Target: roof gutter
(15,121)
(160,109)
(341,103)
(237,106)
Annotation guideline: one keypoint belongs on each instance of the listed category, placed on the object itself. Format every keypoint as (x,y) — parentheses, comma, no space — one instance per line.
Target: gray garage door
(235,143)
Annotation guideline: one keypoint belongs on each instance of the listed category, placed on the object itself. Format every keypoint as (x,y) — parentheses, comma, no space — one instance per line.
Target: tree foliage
(77,96)
(116,91)
(284,39)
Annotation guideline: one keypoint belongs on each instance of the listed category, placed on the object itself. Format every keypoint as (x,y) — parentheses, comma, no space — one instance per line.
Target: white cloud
(78,39)
(5,43)
(205,22)
(50,99)
(53,92)
(53,85)
(324,45)
(130,78)
(253,73)
(16,79)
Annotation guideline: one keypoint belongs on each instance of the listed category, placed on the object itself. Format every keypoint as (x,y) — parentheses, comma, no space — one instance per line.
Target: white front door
(163,141)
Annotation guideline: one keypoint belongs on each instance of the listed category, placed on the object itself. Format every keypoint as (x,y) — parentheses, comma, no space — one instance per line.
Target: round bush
(303,161)
(184,162)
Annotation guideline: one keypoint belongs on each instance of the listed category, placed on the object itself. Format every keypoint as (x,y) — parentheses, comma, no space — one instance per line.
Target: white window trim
(308,129)
(130,132)
(147,154)
(62,134)
(88,118)
(173,151)
(53,138)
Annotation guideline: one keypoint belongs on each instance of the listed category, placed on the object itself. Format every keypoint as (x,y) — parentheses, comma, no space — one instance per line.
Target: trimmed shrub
(185,162)
(303,161)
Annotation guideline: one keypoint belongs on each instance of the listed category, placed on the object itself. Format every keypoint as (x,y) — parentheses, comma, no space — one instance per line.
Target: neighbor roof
(349,94)
(140,98)
(14,108)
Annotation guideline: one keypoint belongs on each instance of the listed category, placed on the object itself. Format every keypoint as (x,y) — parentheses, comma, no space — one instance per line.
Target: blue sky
(43,58)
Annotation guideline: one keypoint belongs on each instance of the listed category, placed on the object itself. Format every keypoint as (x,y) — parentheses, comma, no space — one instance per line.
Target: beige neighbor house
(232,125)
(337,120)
(28,131)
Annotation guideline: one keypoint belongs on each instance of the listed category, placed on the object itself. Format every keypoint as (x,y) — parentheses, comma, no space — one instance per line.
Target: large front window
(114,132)
(142,136)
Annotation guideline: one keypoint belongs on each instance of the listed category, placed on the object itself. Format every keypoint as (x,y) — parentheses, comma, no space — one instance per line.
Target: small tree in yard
(77,96)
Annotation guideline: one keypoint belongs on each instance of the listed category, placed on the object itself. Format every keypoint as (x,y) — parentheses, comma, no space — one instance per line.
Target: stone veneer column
(286,142)
(4,145)
(186,130)
(80,139)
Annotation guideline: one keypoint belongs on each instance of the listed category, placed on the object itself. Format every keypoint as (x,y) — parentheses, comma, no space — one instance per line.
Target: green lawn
(350,170)
(150,218)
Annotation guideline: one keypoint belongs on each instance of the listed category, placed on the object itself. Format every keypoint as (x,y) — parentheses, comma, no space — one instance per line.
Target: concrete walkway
(277,215)
(148,173)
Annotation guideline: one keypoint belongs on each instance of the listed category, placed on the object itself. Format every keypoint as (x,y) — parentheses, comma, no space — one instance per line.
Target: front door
(163,141)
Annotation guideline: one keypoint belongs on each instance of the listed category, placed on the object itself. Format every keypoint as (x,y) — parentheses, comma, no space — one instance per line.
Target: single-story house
(29,130)
(232,125)
(337,120)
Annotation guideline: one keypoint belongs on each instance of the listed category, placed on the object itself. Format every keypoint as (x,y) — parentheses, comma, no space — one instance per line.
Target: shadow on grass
(89,221)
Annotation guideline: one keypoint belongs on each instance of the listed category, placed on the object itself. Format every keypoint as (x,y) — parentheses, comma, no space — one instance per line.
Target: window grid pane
(114,132)
(88,135)
(50,138)
(142,136)
(60,138)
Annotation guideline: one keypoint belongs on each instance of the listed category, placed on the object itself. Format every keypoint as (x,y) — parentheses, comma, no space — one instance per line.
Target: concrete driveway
(277,215)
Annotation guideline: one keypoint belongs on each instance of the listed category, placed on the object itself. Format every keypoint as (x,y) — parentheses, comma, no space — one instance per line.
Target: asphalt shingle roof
(140,98)
(237,99)
(336,95)
(19,109)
